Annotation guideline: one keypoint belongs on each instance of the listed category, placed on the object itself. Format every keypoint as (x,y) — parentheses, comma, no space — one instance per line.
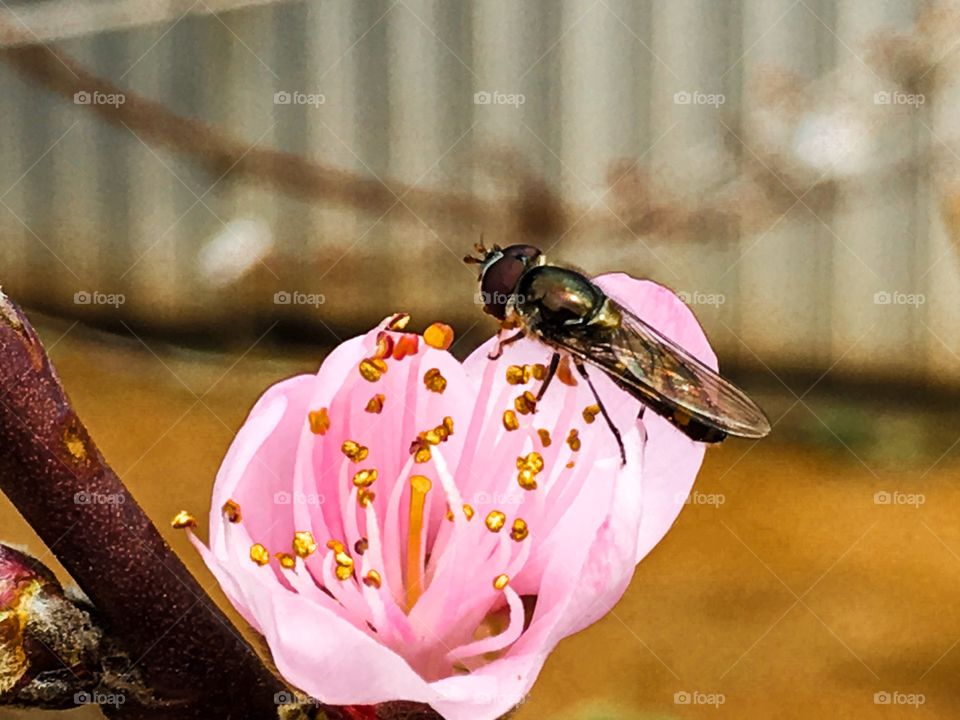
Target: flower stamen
(319,421)
(259,554)
(303,544)
(495,520)
(419,487)
(354,451)
(365,478)
(438,336)
(375,405)
(231,511)
(183,520)
(434,380)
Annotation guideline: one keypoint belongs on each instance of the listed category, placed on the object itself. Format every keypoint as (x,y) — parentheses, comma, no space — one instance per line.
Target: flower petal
(672,460)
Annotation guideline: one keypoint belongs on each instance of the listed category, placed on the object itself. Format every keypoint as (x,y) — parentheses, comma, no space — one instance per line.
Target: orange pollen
(434,381)
(526,403)
(515,375)
(495,520)
(259,554)
(303,543)
(519,531)
(319,421)
(564,373)
(354,451)
(372,579)
(376,404)
(501,581)
(590,413)
(371,369)
(406,345)
(398,321)
(438,336)
(365,478)
(231,510)
(183,520)
(544,437)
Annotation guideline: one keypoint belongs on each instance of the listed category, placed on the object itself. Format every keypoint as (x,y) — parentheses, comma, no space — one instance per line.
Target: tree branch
(189,655)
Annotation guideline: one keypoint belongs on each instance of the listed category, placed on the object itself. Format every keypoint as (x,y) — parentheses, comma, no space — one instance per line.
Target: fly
(569,313)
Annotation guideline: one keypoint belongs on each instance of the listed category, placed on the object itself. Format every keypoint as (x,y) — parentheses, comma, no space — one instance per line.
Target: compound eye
(499,282)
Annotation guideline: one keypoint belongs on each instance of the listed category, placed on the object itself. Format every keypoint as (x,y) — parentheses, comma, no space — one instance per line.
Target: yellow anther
(375,405)
(259,554)
(319,421)
(372,579)
(510,421)
(355,451)
(519,531)
(365,478)
(303,543)
(286,561)
(495,520)
(231,511)
(372,369)
(439,336)
(434,381)
(182,520)
(501,581)
(515,375)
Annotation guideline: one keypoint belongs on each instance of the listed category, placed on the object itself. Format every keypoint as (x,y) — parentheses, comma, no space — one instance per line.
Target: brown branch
(189,655)
(536,211)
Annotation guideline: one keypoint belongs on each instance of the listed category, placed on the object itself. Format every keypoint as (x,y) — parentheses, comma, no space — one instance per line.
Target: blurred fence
(789,166)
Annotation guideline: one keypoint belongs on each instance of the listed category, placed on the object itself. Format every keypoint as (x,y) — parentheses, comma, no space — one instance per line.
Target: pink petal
(672,460)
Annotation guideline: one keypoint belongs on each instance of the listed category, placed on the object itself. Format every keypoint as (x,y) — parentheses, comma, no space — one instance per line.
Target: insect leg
(603,411)
(551,371)
(501,344)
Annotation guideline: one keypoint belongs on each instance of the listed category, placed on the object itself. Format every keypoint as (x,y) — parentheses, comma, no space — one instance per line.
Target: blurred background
(199,198)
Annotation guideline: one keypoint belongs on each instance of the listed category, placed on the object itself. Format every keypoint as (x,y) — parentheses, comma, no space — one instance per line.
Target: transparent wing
(639,357)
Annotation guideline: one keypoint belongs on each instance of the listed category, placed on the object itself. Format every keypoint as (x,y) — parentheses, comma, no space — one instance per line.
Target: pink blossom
(449,576)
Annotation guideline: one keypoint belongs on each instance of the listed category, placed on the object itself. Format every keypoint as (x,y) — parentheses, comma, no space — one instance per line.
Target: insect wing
(639,356)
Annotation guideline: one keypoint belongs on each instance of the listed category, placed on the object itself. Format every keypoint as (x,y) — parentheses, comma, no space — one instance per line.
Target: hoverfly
(570,314)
